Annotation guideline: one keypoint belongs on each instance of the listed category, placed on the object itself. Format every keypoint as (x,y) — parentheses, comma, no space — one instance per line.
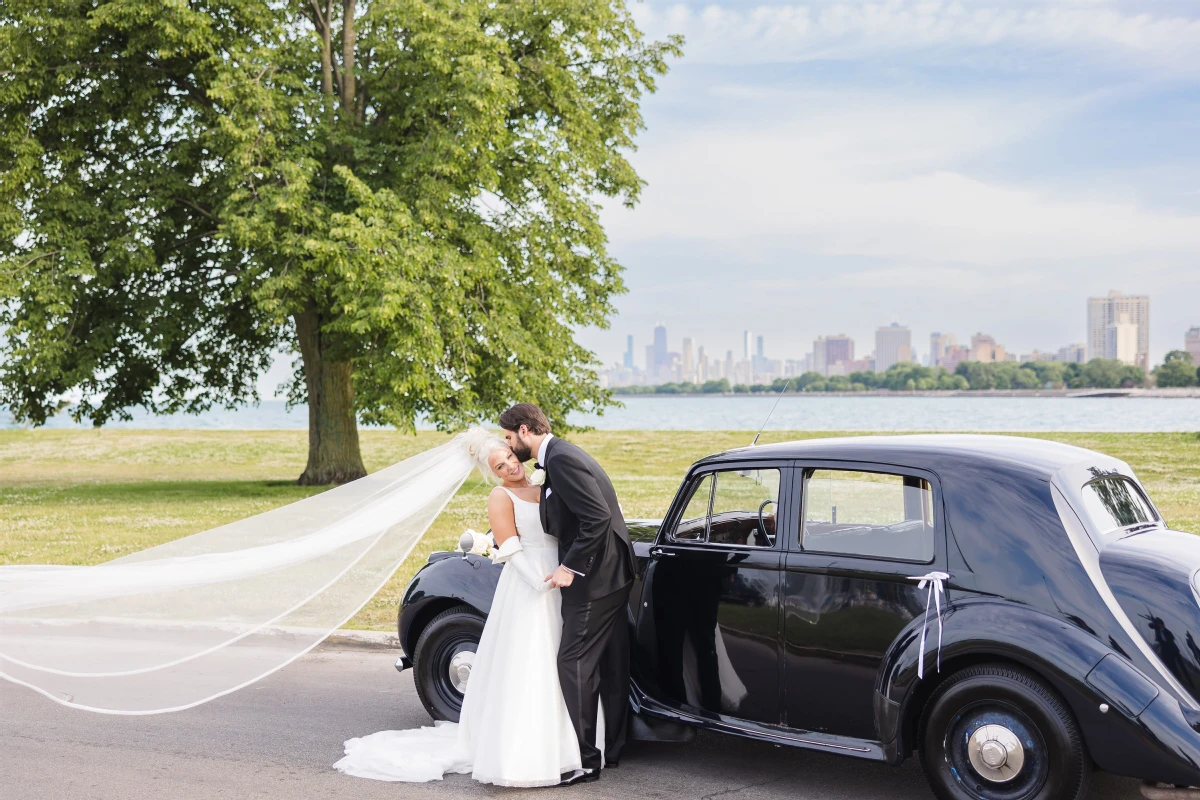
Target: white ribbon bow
(934,585)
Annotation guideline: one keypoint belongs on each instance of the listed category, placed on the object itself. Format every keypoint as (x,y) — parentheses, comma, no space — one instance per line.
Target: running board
(808,740)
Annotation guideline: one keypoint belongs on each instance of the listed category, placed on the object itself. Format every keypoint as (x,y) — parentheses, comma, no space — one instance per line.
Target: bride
(514,729)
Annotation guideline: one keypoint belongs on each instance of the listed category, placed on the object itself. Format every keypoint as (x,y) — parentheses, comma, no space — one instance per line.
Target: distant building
(858,365)
(660,348)
(651,372)
(727,370)
(939,343)
(838,349)
(701,365)
(689,361)
(819,362)
(1121,342)
(747,345)
(985,348)
(1072,354)
(1103,312)
(629,352)
(893,345)
(954,355)
(1191,343)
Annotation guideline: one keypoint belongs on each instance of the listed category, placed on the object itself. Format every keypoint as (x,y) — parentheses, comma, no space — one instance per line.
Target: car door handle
(658,551)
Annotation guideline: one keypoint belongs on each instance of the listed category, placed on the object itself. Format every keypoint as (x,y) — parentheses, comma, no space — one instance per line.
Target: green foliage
(180,180)
(1176,370)
(969,375)
(1108,373)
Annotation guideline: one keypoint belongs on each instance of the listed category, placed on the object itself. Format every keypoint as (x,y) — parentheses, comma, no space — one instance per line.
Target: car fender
(1141,732)
(448,579)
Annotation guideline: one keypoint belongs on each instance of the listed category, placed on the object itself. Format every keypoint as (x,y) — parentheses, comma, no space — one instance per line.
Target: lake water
(794,413)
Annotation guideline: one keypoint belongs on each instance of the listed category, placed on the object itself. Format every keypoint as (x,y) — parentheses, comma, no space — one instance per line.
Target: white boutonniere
(537,477)
(476,543)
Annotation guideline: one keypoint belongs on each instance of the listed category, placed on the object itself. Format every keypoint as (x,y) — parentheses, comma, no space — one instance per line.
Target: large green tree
(403,192)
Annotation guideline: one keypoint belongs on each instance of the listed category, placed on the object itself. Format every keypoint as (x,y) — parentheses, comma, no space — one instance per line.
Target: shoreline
(1189,393)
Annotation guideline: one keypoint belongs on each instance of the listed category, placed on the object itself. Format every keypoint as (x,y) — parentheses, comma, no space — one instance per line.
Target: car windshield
(1113,503)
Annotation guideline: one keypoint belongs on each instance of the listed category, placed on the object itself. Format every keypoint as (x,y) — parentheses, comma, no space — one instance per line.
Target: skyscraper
(819,362)
(747,344)
(939,345)
(1105,311)
(1122,340)
(689,362)
(629,351)
(1191,343)
(838,348)
(660,346)
(893,345)
(985,348)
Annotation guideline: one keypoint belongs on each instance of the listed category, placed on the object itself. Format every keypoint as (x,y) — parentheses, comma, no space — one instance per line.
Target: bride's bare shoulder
(499,501)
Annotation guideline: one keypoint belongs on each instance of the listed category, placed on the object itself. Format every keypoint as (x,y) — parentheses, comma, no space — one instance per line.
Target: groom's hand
(561,577)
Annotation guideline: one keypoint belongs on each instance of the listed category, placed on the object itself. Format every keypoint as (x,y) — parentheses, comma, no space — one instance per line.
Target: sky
(832,166)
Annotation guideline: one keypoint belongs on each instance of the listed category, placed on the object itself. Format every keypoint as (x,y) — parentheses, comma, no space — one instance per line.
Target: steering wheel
(762,525)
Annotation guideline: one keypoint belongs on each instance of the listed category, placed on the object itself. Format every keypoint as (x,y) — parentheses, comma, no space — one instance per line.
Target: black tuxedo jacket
(579,506)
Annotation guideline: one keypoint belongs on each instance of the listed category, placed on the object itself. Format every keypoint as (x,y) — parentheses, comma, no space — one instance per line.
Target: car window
(743,508)
(1113,503)
(694,522)
(872,514)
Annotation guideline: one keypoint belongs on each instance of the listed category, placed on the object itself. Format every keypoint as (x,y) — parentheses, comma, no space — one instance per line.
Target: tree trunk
(333,452)
(349,90)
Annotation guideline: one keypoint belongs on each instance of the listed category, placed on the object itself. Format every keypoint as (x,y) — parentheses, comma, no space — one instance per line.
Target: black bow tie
(536,465)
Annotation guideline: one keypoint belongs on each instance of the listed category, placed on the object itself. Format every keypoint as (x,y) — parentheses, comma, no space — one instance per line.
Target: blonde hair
(480,443)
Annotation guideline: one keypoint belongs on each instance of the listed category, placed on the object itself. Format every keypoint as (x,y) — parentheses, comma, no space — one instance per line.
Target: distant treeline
(1099,373)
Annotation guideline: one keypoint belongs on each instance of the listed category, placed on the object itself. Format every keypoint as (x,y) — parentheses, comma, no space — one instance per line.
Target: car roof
(1039,456)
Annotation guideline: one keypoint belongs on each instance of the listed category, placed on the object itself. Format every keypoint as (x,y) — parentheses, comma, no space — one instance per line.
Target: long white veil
(185,622)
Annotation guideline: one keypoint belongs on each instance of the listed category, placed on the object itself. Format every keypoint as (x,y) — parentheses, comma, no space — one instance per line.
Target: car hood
(1153,576)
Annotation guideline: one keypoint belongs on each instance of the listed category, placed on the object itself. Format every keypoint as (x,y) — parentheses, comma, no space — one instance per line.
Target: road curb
(364,640)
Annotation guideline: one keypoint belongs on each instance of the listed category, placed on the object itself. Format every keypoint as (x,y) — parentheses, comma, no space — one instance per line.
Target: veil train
(183,623)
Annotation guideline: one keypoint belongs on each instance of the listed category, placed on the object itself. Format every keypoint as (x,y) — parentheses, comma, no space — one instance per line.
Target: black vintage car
(793,594)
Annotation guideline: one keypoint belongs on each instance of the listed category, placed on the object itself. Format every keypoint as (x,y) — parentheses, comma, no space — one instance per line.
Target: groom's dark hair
(526,414)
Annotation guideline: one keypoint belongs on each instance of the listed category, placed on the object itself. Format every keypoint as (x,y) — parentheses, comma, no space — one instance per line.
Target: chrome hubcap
(996,753)
(460,669)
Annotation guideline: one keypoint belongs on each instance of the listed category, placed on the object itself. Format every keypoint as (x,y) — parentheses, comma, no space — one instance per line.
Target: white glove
(513,556)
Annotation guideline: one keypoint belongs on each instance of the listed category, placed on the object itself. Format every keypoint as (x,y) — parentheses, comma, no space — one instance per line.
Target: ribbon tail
(937,596)
(924,627)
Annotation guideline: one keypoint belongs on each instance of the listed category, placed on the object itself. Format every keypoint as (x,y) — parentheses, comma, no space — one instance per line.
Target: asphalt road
(278,738)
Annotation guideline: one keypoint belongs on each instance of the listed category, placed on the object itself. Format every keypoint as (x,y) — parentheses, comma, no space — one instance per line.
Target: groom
(595,574)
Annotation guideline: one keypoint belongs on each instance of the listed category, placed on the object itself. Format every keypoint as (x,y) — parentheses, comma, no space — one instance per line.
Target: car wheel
(997,733)
(444,655)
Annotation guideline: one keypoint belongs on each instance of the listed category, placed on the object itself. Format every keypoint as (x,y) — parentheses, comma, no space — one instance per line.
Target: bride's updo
(480,443)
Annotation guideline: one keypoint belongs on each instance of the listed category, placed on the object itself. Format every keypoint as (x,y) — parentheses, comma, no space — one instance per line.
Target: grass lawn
(87,496)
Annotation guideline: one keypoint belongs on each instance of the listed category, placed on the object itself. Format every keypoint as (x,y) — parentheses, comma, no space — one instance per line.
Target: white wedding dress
(514,729)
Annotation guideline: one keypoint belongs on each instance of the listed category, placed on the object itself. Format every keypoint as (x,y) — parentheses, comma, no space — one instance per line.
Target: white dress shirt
(541,453)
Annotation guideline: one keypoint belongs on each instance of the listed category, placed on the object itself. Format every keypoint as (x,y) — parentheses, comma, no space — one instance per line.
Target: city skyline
(951,167)
(1116,324)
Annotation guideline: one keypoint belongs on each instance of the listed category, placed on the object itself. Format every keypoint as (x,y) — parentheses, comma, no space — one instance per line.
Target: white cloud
(1157,35)
(884,177)
(950,175)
